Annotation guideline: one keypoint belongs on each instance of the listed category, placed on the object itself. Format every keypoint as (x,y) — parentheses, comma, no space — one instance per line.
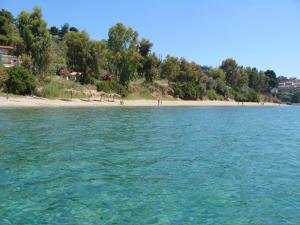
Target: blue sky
(264,34)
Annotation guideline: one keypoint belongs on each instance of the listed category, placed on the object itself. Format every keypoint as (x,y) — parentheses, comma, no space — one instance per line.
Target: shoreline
(27,102)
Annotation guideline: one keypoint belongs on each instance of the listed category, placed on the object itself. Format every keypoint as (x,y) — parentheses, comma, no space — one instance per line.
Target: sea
(150,165)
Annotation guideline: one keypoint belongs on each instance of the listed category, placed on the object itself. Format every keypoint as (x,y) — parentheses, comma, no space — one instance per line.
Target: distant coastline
(27,101)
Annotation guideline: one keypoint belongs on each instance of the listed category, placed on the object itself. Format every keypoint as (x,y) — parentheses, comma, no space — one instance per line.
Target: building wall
(289,84)
(7,59)
(4,51)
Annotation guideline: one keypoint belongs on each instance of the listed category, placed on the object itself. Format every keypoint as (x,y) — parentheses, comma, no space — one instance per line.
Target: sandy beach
(27,101)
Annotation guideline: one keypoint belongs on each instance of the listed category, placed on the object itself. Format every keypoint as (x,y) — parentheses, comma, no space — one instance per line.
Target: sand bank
(27,101)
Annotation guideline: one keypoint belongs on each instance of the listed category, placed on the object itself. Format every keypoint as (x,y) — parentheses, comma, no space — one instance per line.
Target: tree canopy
(36,38)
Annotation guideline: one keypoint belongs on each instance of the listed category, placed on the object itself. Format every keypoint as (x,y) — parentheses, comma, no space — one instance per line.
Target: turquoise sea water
(209,165)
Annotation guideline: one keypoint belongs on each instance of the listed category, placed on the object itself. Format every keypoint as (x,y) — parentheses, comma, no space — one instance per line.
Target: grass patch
(138,89)
(57,88)
(143,93)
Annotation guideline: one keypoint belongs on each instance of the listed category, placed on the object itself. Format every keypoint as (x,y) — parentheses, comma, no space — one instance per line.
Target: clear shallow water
(150,166)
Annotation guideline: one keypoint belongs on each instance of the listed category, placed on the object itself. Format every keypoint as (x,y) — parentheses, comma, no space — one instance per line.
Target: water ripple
(209,165)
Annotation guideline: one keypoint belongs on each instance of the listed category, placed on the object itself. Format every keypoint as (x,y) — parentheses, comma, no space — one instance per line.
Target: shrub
(103,86)
(177,90)
(221,88)
(3,76)
(186,90)
(145,93)
(289,95)
(201,90)
(20,81)
(252,96)
(296,98)
(123,91)
(246,95)
(112,86)
(238,96)
(27,62)
(211,94)
(190,90)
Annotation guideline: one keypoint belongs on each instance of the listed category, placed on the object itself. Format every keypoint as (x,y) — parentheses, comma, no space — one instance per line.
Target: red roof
(6,47)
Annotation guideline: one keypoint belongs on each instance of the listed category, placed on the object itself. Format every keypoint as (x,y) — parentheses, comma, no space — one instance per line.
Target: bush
(240,97)
(103,86)
(112,86)
(252,96)
(145,93)
(201,90)
(20,81)
(3,76)
(221,88)
(237,95)
(177,90)
(289,95)
(190,90)
(246,95)
(123,91)
(186,90)
(296,98)
(211,94)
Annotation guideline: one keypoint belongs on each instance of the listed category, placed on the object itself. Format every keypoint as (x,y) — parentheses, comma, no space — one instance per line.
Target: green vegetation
(212,95)
(83,55)
(9,33)
(20,81)
(143,93)
(111,86)
(36,39)
(59,88)
(290,95)
(136,71)
(3,76)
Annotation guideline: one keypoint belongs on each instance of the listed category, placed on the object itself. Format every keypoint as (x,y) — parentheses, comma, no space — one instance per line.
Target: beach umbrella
(71,91)
(117,96)
(87,93)
(101,94)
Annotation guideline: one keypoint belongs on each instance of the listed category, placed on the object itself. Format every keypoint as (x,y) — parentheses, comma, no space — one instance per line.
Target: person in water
(159,102)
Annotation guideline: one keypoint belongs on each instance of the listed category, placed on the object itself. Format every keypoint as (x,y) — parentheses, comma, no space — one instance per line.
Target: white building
(7,59)
(291,83)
